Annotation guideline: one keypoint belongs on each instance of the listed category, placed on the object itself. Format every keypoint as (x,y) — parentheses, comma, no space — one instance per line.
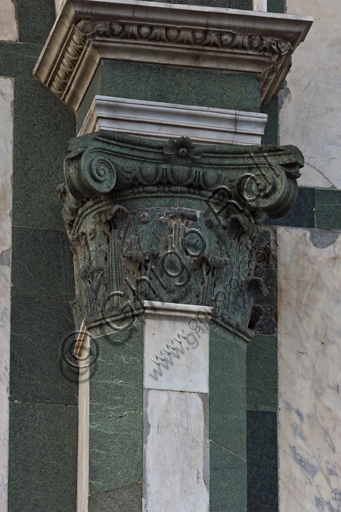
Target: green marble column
(170,222)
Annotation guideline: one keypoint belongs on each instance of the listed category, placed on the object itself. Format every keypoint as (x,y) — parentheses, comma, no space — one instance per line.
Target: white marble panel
(176,347)
(310,116)
(260,5)
(309,331)
(8,21)
(6,165)
(176,453)
(164,121)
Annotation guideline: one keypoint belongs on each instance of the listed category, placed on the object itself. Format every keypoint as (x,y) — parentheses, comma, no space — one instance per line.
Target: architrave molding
(182,35)
(164,121)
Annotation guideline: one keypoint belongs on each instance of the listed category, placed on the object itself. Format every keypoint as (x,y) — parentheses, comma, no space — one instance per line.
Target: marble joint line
(176,442)
(163,121)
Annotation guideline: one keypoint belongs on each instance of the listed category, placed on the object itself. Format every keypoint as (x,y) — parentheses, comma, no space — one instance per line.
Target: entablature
(87,31)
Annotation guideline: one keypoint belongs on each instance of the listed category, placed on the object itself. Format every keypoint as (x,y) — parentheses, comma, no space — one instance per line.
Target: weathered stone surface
(43,458)
(161,33)
(261,374)
(309,371)
(227,494)
(262,466)
(177,457)
(201,243)
(8,22)
(116,411)
(228,392)
(125,499)
(176,347)
(310,111)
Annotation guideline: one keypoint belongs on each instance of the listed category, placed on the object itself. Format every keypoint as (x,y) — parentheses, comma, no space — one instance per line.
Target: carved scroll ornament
(175,222)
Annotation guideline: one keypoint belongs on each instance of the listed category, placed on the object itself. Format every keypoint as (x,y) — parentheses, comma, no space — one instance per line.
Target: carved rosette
(173,222)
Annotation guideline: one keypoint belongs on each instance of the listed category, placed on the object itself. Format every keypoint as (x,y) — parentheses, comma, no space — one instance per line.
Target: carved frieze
(172,222)
(191,36)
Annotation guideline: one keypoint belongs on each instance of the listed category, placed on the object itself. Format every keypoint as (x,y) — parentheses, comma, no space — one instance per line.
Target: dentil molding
(182,35)
(164,121)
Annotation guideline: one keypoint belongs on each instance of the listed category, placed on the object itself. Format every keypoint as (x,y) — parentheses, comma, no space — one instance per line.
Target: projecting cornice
(172,34)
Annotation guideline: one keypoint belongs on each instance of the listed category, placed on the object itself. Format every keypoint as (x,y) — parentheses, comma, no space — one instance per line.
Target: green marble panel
(42,458)
(261,374)
(267,324)
(276,6)
(302,214)
(116,411)
(18,60)
(227,392)
(126,499)
(175,84)
(35,20)
(38,373)
(262,470)
(42,265)
(328,209)
(271,130)
(43,126)
(228,481)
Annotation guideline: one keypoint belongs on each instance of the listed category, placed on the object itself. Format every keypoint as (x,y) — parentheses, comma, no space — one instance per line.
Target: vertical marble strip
(8,21)
(313,92)
(6,166)
(309,315)
(82,352)
(260,5)
(176,441)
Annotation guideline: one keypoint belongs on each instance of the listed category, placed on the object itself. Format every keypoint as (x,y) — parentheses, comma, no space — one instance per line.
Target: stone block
(42,264)
(228,481)
(227,392)
(261,374)
(262,471)
(43,458)
(309,327)
(38,372)
(39,150)
(35,24)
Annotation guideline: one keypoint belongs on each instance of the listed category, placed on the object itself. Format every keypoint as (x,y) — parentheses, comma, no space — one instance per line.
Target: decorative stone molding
(163,121)
(172,34)
(135,206)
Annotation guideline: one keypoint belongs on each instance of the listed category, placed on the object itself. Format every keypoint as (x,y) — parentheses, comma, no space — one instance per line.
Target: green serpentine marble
(174,221)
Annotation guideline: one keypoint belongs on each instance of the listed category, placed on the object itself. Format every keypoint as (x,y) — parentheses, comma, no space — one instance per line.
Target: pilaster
(166,189)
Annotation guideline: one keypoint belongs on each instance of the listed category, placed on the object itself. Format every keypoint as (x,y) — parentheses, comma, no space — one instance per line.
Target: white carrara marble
(176,347)
(6,166)
(58,4)
(310,116)
(260,5)
(82,349)
(309,309)
(8,21)
(176,453)
(163,121)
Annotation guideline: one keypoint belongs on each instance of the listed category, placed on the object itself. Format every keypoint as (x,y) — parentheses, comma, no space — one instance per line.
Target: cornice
(225,39)
(163,121)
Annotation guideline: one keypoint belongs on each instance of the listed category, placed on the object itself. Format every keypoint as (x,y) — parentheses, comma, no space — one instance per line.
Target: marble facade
(6,165)
(309,309)
(176,442)
(310,113)
(8,21)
